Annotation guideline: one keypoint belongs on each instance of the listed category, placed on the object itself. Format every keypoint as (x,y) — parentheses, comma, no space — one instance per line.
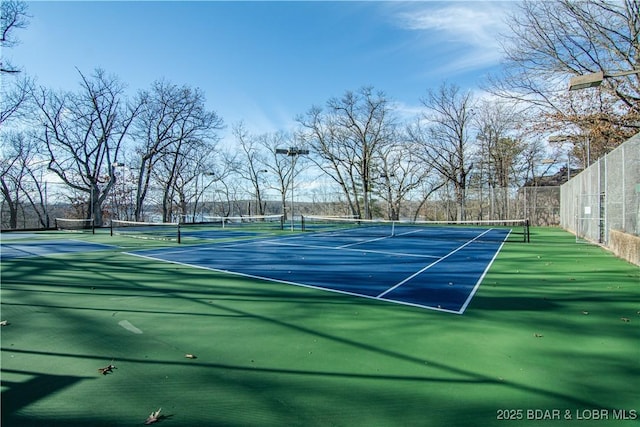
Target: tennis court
(552,326)
(437,268)
(15,248)
(215,228)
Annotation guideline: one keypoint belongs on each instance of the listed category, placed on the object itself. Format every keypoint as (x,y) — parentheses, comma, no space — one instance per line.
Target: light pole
(212,174)
(120,165)
(595,79)
(44,182)
(560,139)
(258,201)
(292,152)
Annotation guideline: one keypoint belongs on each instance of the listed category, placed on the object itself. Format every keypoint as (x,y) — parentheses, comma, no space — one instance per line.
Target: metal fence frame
(605,196)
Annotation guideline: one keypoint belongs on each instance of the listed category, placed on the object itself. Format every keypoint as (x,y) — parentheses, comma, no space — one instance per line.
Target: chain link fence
(539,204)
(602,203)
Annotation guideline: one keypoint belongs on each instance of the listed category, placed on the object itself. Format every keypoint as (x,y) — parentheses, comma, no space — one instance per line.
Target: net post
(93,226)
(302,223)
(281,222)
(178,232)
(111,228)
(527,232)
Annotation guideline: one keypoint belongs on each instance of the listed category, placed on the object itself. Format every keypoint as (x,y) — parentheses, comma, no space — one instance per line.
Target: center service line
(430,265)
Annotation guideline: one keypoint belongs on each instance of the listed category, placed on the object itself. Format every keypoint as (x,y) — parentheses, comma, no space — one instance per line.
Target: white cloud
(473,23)
(470,28)
(407,112)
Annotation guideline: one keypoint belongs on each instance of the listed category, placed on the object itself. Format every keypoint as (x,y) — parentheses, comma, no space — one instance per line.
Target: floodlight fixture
(560,138)
(586,81)
(595,79)
(292,151)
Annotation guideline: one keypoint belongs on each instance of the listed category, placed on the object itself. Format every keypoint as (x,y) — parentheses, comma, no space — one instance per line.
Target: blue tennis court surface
(219,233)
(420,269)
(17,249)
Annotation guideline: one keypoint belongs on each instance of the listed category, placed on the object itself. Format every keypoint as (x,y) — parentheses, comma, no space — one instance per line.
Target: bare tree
(16,156)
(264,167)
(13,16)
(173,122)
(322,135)
(428,186)
(83,133)
(178,172)
(346,139)
(18,181)
(13,93)
(593,123)
(443,133)
(14,96)
(550,41)
(253,165)
(500,157)
(399,172)
(285,170)
(12,174)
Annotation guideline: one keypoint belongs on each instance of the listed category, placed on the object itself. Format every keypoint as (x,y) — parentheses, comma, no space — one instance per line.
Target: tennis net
(252,221)
(146,230)
(75,225)
(516,229)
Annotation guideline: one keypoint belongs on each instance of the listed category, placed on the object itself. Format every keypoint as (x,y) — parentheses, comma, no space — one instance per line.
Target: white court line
(430,265)
(363,242)
(484,273)
(24,253)
(327,289)
(343,248)
(93,243)
(195,248)
(369,240)
(278,242)
(303,285)
(378,238)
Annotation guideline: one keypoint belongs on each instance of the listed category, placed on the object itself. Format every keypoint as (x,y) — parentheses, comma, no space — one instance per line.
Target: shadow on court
(286,355)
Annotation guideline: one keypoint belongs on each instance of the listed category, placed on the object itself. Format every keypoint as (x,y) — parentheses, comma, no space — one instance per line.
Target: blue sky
(266,62)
